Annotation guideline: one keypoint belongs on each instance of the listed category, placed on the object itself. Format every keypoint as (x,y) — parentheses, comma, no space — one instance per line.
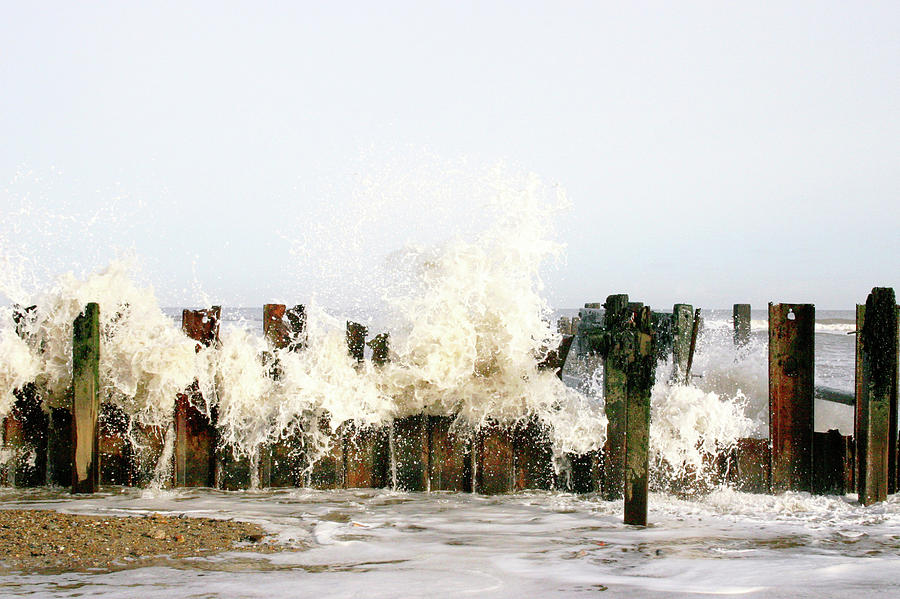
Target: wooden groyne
(85,446)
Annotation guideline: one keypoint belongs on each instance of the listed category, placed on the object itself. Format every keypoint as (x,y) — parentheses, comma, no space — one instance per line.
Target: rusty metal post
(876,395)
(741,317)
(86,400)
(195,434)
(641,374)
(682,327)
(791,395)
(616,319)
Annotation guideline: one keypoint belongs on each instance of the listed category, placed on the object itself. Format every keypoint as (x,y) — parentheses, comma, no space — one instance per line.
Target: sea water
(469,323)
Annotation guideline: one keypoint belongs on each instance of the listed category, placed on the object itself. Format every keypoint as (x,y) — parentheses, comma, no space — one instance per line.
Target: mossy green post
(86,401)
(876,395)
(640,372)
(614,348)
(682,325)
(741,318)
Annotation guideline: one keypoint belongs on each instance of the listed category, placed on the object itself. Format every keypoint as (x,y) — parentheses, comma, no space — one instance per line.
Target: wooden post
(366,449)
(533,455)
(791,395)
(117,459)
(833,458)
(195,434)
(281,464)
(381,348)
(86,400)
(494,456)
(449,456)
(876,395)
(741,315)
(409,453)
(330,471)
(682,326)
(275,330)
(695,329)
(750,470)
(641,373)
(615,321)
(356,340)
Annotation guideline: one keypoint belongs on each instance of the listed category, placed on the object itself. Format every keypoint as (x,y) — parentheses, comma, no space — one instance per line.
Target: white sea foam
(469,325)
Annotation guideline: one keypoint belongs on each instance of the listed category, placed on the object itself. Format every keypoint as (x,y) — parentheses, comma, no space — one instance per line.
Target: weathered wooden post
(833,462)
(791,395)
(682,325)
(195,434)
(366,449)
(281,464)
(356,340)
(616,319)
(641,373)
(741,317)
(533,457)
(449,456)
(86,400)
(330,470)
(876,395)
(695,330)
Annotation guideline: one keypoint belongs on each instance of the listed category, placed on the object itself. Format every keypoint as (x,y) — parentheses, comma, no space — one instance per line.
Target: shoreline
(42,541)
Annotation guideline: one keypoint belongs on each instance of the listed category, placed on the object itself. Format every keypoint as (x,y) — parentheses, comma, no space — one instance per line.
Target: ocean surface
(376,543)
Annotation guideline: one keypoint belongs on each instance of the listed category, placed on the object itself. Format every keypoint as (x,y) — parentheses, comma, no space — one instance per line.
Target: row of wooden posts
(425,453)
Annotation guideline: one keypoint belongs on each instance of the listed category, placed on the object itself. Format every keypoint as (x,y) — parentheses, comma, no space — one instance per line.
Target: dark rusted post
(695,329)
(641,373)
(331,471)
(365,449)
(741,316)
(616,320)
(195,434)
(682,325)
(876,395)
(275,330)
(86,400)
(494,457)
(449,456)
(894,457)
(380,345)
(409,454)
(533,454)
(356,340)
(791,395)
(284,328)
(832,453)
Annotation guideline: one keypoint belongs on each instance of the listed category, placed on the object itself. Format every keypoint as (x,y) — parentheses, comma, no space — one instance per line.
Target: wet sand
(46,541)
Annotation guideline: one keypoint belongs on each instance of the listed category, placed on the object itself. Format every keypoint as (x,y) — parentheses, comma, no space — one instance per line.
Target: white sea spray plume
(476,325)
(145,359)
(19,363)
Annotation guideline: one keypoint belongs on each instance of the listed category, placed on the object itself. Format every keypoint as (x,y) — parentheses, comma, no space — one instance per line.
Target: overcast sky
(713,152)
